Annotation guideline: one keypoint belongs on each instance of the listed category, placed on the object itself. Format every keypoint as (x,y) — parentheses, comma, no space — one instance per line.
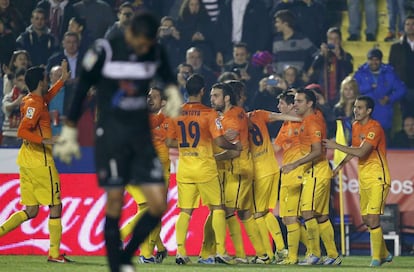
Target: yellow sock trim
(376,243)
(55,236)
(293,237)
(303,236)
(181,228)
(236,236)
(219,232)
(264,234)
(15,220)
(252,231)
(274,228)
(312,228)
(127,229)
(327,235)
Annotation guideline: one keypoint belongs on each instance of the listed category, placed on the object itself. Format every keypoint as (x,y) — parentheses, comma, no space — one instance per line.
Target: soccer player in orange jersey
(287,140)
(369,145)
(194,133)
(314,200)
(39,179)
(238,175)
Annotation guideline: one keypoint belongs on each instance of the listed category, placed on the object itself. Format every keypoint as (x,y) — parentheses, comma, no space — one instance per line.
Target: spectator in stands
(269,88)
(70,53)
(25,8)
(11,17)
(7,45)
(59,13)
(169,37)
(405,137)
(344,109)
(324,107)
(213,9)
(381,83)
(371,19)
(19,59)
(244,21)
(227,76)
(310,17)
(125,13)
(78,25)
(11,109)
(184,71)
(194,57)
(292,77)
(37,39)
(98,15)
(247,73)
(402,59)
(289,47)
(332,65)
(196,29)
(396,16)
(59,103)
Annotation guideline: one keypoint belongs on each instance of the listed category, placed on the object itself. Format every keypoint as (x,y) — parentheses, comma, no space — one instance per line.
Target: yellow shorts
(289,200)
(40,186)
(136,193)
(372,199)
(238,193)
(315,194)
(265,193)
(189,194)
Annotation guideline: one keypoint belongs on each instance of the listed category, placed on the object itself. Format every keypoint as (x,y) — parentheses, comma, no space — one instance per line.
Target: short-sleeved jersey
(374,165)
(288,140)
(159,127)
(263,155)
(34,127)
(195,131)
(236,119)
(313,130)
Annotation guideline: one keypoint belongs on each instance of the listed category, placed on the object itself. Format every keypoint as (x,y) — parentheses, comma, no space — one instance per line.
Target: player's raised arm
(67,145)
(359,152)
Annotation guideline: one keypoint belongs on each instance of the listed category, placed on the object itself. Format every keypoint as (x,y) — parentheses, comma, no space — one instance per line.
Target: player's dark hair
(287,96)
(309,96)
(195,83)
(286,16)
(33,76)
(369,102)
(335,30)
(144,24)
(227,76)
(409,17)
(227,90)
(159,90)
(238,87)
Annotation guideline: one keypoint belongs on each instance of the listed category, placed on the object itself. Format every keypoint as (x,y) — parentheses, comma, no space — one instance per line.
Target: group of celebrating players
(226,159)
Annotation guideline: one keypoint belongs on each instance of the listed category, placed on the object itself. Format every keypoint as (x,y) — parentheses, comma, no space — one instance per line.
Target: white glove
(67,145)
(174,101)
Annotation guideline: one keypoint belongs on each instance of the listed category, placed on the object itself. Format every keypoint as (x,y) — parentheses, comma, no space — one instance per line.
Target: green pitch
(17,263)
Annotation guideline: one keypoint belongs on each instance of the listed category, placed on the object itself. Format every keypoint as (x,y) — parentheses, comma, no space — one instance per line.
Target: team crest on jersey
(371,135)
(30,112)
(218,123)
(318,133)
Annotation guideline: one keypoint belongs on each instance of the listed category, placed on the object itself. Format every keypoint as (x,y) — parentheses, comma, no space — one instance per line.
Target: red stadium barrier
(84,204)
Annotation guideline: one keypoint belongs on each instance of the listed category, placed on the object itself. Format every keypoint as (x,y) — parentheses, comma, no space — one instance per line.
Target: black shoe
(353,38)
(370,38)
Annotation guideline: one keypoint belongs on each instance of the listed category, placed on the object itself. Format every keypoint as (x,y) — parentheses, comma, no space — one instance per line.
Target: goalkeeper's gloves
(67,145)
(174,101)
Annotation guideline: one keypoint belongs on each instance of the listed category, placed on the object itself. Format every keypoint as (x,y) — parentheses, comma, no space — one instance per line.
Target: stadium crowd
(269,45)
(253,56)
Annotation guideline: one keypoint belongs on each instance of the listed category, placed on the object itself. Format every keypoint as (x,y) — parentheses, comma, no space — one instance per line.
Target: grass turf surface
(17,263)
